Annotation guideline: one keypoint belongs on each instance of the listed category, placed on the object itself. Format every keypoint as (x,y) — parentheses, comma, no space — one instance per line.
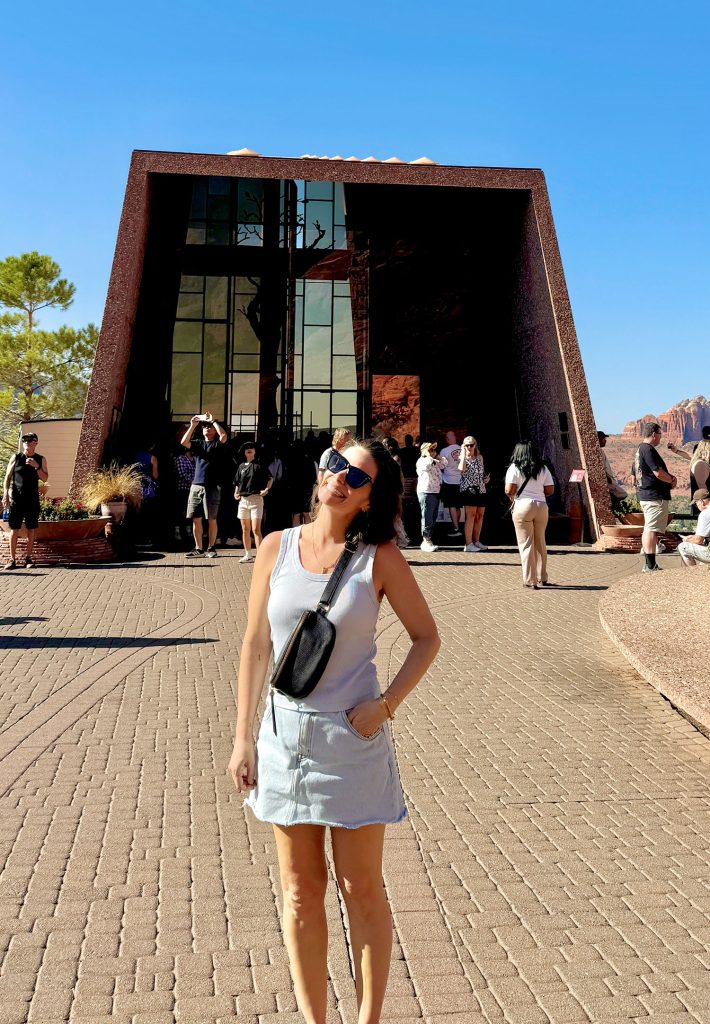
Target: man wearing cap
(205,492)
(20,494)
(616,492)
(654,483)
(695,549)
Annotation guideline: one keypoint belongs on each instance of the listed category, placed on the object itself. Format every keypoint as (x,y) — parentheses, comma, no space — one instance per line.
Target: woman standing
(328,760)
(527,483)
(473,493)
(430,467)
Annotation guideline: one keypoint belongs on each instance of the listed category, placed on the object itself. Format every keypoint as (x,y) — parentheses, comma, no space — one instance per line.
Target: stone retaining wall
(56,552)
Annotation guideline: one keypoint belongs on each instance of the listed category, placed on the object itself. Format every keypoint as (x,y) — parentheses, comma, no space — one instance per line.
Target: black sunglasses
(354,477)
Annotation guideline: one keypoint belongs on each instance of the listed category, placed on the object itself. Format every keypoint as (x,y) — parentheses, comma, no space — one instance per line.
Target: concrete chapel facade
(289,295)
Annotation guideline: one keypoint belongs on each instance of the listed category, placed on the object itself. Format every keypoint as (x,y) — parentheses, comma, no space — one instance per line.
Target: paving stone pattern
(554,867)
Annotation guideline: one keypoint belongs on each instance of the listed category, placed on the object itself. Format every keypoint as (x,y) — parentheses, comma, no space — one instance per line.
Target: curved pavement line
(20,743)
(100,662)
(683,702)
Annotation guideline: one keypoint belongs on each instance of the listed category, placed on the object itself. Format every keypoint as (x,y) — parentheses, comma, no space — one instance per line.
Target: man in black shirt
(252,483)
(20,494)
(653,483)
(205,492)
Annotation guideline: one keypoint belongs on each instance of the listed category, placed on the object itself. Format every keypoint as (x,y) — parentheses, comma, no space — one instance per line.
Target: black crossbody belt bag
(303,660)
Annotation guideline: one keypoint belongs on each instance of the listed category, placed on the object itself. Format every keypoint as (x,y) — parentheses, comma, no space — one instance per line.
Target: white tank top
(350,675)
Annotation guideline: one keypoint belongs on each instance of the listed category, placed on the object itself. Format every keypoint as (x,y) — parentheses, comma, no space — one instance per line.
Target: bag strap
(524,484)
(351,546)
(517,494)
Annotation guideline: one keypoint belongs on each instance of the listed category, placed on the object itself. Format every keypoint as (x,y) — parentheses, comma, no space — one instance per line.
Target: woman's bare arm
(395,581)
(256,648)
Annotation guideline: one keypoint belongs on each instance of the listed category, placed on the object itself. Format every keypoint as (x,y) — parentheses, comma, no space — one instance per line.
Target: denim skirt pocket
(358,735)
(317,769)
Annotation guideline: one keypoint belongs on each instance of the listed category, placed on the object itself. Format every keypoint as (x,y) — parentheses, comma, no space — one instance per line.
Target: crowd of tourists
(243,490)
(247,490)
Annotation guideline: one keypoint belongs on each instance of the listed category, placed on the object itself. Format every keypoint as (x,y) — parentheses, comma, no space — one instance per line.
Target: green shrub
(59,510)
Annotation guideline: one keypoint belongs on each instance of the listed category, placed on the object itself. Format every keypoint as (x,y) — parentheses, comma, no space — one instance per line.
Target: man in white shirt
(451,480)
(695,549)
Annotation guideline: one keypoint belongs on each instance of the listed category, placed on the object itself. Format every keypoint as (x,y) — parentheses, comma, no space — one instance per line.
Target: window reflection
(185,384)
(218,317)
(320,216)
(233,211)
(200,346)
(325,376)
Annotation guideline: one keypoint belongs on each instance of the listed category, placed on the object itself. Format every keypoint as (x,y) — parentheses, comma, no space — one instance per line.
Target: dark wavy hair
(377,525)
(527,459)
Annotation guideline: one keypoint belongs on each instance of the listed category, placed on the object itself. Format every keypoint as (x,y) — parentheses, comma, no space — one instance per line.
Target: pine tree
(43,374)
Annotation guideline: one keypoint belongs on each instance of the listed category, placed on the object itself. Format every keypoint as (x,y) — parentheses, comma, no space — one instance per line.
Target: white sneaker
(660,547)
(246,558)
(470,548)
(426,545)
(481,547)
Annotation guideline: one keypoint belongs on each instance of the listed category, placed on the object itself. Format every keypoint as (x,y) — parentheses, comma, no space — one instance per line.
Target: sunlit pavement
(554,866)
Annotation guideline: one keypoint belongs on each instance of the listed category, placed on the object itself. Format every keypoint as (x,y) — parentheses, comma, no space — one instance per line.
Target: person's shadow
(112,642)
(20,620)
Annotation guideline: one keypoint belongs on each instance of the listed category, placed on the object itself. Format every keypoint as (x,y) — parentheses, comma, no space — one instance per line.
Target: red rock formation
(681,423)
(634,427)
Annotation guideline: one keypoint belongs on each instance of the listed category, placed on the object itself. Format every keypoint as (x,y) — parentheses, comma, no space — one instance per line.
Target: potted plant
(113,488)
(61,519)
(628,511)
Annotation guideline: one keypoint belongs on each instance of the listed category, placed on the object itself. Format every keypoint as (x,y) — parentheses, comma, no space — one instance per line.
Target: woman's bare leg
(468,524)
(358,866)
(304,879)
(477,524)
(256,528)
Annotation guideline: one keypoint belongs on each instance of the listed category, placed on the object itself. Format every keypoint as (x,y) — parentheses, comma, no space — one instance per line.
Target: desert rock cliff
(681,423)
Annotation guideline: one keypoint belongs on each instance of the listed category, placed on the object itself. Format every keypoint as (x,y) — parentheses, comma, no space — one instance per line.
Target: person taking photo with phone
(205,491)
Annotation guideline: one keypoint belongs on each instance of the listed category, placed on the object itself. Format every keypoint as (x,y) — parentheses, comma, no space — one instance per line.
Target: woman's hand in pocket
(366,718)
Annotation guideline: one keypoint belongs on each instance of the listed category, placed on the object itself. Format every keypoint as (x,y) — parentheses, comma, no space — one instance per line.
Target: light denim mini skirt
(317,770)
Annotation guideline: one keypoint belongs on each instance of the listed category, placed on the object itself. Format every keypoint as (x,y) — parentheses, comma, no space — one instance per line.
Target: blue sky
(610,100)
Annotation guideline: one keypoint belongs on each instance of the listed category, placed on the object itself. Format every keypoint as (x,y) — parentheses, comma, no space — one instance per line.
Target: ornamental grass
(113,483)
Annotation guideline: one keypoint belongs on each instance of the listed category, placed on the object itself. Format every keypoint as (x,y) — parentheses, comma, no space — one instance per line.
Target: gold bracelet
(388,709)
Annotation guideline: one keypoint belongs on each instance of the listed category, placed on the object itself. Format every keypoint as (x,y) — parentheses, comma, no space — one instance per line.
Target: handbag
(517,494)
(306,653)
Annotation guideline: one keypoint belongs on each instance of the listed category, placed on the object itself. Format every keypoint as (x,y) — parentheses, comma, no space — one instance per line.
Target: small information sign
(578,476)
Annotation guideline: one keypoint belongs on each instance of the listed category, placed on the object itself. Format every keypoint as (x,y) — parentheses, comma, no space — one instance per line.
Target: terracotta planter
(65,529)
(636,518)
(114,510)
(622,530)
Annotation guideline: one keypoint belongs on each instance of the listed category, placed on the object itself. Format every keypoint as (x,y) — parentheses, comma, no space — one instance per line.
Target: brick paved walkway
(555,865)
